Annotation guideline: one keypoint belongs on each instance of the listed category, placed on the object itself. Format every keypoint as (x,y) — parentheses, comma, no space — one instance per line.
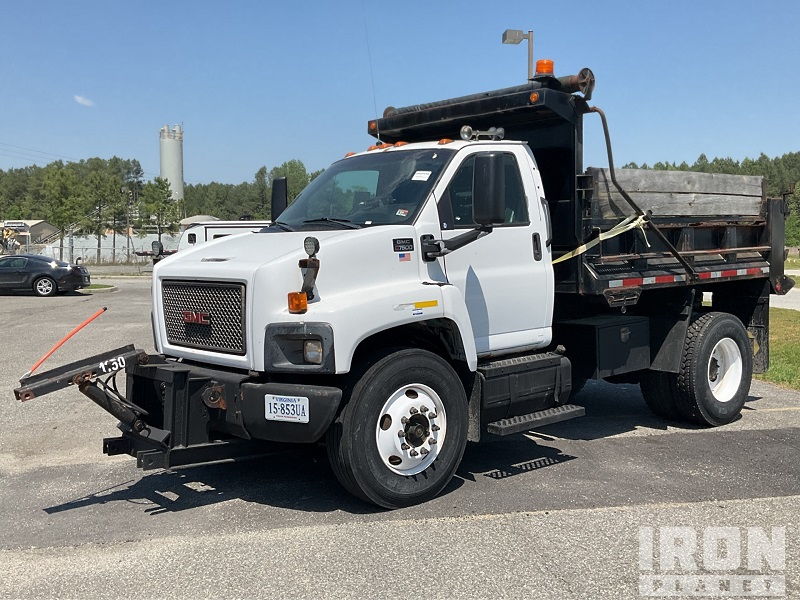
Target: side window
(455,207)
(13,263)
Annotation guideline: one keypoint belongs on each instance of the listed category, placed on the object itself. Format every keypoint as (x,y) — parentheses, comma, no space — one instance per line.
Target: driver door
(506,276)
(12,272)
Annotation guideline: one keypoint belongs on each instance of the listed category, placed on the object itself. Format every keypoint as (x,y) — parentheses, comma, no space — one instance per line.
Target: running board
(535,419)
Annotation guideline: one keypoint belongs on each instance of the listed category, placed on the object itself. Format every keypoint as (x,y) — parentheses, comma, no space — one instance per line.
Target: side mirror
(280,197)
(489,189)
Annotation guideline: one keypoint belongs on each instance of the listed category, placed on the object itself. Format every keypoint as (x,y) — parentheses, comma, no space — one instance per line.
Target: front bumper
(74,280)
(176,413)
(195,414)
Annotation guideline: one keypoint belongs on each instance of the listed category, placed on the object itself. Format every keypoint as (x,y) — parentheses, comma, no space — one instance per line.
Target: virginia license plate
(286,408)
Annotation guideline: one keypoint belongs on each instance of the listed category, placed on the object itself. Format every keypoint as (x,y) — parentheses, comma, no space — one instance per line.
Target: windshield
(381,188)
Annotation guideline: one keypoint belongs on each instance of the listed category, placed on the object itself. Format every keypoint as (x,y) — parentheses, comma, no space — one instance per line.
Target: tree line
(100,196)
(249,199)
(111,196)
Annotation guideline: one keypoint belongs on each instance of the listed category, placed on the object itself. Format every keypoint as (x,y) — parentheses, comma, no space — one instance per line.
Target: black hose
(647,215)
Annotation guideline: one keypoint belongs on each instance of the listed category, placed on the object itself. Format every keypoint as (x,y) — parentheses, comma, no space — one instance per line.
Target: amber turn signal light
(298,303)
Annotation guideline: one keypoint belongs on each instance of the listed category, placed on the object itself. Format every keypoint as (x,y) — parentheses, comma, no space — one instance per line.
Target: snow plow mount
(79,372)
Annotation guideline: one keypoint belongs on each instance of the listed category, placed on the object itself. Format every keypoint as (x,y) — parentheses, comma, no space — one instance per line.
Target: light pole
(515,36)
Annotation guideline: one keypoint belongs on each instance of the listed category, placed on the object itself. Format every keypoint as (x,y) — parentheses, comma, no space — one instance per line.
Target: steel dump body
(723,226)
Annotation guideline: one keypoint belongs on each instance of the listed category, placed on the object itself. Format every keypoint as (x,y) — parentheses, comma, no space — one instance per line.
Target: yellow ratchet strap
(629,223)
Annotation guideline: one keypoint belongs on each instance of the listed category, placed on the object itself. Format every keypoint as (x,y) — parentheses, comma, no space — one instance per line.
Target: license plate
(286,408)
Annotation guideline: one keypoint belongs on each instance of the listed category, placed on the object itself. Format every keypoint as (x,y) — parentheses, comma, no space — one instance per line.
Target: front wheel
(403,431)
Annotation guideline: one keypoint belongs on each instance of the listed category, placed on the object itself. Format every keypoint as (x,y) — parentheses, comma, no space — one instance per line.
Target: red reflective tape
(754,271)
(632,281)
(730,273)
(706,275)
(665,278)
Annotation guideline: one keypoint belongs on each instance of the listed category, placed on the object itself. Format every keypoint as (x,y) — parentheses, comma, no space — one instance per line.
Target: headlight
(312,352)
(311,246)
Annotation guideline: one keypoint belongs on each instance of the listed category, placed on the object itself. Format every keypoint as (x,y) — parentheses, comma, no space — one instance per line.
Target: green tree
(105,199)
(64,200)
(158,205)
(262,191)
(297,177)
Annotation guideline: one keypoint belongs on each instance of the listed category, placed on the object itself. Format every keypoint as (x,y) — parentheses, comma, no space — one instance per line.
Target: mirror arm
(432,248)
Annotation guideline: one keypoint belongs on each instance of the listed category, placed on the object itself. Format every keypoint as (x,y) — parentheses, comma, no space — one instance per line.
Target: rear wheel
(715,373)
(45,286)
(658,394)
(403,431)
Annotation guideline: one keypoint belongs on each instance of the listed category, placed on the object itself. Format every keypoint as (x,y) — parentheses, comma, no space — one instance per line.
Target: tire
(45,286)
(657,391)
(716,370)
(367,454)
(714,377)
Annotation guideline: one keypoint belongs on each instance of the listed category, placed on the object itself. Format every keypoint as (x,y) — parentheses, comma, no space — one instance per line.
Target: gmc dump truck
(458,280)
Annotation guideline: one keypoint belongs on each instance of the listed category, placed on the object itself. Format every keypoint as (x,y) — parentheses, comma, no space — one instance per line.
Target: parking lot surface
(551,514)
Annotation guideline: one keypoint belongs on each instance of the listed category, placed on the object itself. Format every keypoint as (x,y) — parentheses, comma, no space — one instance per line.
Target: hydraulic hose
(646,215)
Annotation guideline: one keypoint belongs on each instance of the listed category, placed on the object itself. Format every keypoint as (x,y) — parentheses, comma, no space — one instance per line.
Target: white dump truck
(458,280)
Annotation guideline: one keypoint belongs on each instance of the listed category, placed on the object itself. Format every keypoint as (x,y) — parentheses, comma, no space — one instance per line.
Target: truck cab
(369,212)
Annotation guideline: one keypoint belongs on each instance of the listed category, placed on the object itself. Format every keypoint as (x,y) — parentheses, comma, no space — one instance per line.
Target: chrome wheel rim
(725,370)
(410,431)
(44,286)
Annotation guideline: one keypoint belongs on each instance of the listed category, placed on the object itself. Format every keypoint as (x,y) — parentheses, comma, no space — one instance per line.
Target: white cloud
(82,100)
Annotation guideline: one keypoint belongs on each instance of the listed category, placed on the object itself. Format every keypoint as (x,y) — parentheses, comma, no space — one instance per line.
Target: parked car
(43,275)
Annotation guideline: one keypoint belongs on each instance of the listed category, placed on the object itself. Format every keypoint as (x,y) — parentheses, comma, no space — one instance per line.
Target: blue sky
(257,83)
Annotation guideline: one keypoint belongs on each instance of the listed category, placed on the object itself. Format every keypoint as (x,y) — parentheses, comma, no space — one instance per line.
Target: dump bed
(711,228)
(724,226)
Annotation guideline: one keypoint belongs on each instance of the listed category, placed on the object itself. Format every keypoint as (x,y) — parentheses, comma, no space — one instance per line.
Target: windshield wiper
(283,226)
(345,222)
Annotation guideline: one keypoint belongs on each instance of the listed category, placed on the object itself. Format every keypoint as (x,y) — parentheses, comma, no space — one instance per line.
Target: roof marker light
(544,66)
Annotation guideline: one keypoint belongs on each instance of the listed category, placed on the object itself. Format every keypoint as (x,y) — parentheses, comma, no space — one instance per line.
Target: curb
(113,288)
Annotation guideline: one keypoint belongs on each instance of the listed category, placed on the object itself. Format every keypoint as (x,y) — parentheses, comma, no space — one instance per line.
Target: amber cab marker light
(544,66)
(444,141)
(298,303)
(534,97)
(373,125)
(349,154)
(397,144)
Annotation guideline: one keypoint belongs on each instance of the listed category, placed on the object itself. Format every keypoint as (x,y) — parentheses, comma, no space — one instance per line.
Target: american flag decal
(404,256)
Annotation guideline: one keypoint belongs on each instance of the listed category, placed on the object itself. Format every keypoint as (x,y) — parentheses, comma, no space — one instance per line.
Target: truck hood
(239,256)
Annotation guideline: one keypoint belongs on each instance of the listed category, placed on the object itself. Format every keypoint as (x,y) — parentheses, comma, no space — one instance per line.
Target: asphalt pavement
(556,513)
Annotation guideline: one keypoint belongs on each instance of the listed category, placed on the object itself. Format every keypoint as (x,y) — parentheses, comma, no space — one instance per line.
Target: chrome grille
(206,315)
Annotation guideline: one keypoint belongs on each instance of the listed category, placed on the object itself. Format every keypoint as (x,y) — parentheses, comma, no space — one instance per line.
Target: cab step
(535,419)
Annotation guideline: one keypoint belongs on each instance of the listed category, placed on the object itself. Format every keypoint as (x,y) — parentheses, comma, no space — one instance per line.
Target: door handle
(537,247)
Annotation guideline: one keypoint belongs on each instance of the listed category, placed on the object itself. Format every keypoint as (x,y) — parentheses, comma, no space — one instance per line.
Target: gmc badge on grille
(199,318)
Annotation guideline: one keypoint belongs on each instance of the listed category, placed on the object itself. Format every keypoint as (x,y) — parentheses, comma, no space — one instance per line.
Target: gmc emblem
(200,318)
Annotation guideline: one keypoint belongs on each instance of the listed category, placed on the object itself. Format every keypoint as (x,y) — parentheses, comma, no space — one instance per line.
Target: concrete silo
(171,139)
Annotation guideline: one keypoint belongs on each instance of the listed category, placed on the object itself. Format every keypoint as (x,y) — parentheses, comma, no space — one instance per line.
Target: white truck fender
(455,309)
